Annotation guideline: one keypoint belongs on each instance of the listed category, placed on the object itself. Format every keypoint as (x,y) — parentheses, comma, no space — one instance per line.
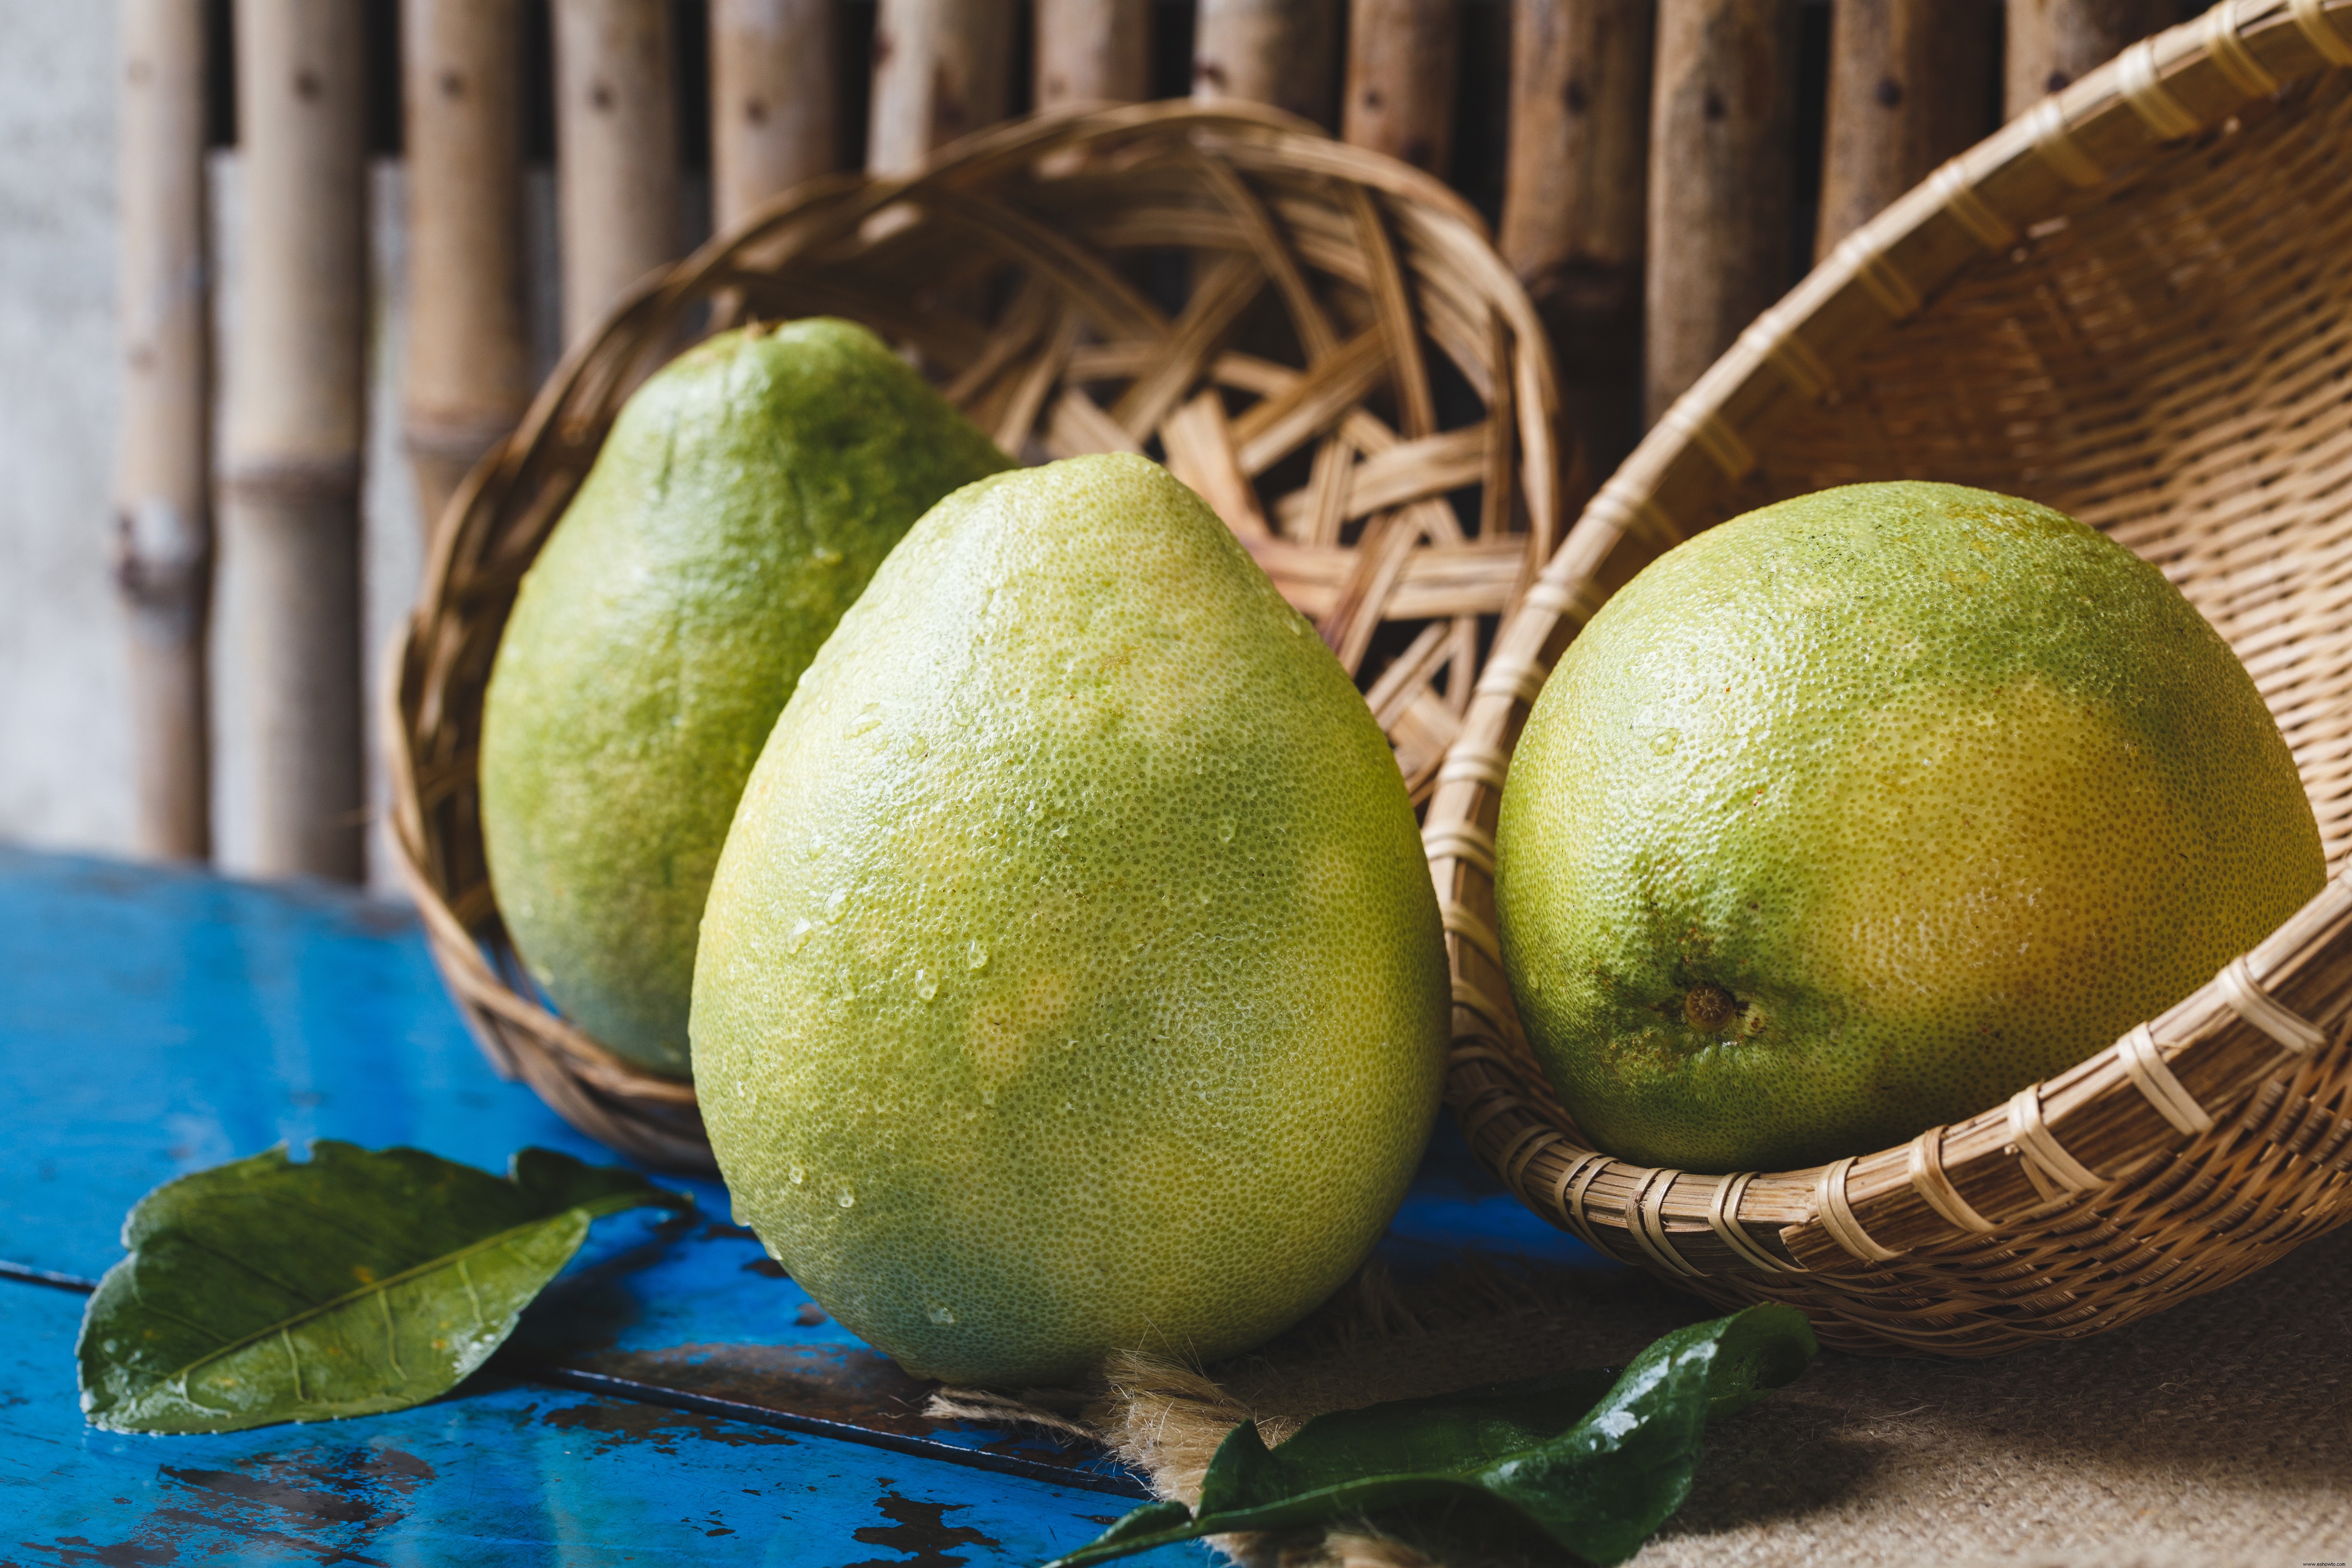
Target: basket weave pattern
(2135,304)
(1349,364)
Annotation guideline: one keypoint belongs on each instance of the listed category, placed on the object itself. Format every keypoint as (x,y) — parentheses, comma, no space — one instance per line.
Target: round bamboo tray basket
(2135,304)
(1319,340)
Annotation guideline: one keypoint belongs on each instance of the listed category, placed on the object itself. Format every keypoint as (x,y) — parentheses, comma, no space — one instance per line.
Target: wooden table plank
(671,1384)
(499,1473)
(162,1022)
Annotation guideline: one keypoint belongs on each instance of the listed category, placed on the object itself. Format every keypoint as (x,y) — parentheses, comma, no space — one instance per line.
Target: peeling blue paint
(155,1022)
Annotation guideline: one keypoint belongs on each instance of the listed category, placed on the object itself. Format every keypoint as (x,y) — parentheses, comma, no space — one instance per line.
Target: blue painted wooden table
(673,1397)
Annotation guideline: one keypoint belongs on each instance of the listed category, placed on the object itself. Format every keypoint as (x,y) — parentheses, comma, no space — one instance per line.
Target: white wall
(65,745)
(65,741)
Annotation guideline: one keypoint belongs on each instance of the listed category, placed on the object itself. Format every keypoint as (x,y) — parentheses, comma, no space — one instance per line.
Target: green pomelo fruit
(745,495)
(1073,978)
(1856,815)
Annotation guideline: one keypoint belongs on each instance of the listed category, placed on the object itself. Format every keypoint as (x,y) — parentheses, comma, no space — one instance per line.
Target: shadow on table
(2231,1407)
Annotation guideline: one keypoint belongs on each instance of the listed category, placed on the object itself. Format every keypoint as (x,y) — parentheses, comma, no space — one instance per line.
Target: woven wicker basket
(1349,358)
(2134,303)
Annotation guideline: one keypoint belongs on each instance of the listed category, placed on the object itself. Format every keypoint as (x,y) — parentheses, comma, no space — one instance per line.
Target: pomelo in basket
(1072,979)
(746,493)
(1858,813)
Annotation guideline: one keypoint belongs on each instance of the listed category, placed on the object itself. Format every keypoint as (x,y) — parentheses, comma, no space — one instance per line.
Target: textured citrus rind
(745,495)
(1072,979)
(1944,789)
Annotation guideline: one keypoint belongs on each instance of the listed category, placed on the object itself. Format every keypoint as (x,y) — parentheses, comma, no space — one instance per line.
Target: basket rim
(2169,1079)
(577,1074)
(966,160)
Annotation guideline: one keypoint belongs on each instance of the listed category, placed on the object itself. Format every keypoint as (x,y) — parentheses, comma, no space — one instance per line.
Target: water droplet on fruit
(925,987)
(799,936)
(833,906)
(799,1175)
(917,748)
(846,1198)
(988,1097)
(975,956)
(943,1316)
(816,845)
(1225,830)
(1664,742)
(869,718)
(740,1217)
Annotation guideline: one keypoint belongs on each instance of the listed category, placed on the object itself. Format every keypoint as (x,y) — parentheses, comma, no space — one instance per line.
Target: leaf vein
(309,1204)
(230,1347)
(235,1261)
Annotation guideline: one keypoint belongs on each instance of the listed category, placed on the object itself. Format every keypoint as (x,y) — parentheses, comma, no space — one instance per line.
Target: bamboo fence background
(1655,170)
(164,533)
(294,427)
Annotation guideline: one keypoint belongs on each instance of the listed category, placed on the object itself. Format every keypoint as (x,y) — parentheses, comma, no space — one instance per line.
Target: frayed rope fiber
(2219,1432)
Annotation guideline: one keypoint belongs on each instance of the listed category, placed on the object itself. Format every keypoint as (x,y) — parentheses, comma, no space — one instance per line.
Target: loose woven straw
(2133,303)
(1354,381)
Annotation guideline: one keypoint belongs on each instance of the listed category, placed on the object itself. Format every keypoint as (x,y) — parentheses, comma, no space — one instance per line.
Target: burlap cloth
(2218,1434)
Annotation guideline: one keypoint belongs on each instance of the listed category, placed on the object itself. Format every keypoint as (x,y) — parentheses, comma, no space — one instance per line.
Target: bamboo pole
(297,395)
(2053,42)
(774,108)
(616,150)
(1722,125)
(1575,201)
(1268,51)
(943,68)
(468,370)
(1093,51)
(163,469)
(1910,85)
(1403,56)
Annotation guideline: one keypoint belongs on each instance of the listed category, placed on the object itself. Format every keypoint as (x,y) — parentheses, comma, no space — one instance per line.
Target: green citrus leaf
(1605,1486)
(264,1291)
(1596,1460)
(1139,1529)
